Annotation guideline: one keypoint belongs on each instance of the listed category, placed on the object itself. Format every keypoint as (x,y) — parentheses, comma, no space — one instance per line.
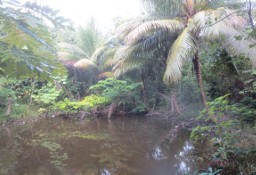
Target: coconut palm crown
(195,23)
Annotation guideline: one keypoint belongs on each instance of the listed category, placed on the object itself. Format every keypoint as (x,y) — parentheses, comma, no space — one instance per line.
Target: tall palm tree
(195,24)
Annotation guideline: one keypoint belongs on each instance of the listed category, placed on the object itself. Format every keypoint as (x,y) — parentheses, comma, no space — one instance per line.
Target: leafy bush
(4,94)
(88,103)
(6,91)
(47,95)
(217,109)
(228,140)
(123,93)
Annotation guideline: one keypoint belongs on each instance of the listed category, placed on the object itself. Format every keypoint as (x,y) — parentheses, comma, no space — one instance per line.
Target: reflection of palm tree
(194,25)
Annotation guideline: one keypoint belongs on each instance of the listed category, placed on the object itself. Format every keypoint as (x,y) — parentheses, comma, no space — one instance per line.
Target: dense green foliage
(118,91)
(88,103)
(26,44)
(231,140)
(158,62)
(107,91)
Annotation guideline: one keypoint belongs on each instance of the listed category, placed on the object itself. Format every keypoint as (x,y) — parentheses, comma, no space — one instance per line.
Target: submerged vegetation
(194,60)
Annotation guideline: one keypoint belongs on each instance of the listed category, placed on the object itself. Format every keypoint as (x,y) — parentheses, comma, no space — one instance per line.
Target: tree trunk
(250,15)
(111,110)
(32,91)
(9,106)
(172,101)
(143,89)
(198,70)
(175,104)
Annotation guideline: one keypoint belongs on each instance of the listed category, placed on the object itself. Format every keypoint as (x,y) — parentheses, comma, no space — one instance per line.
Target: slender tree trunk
(198,70)
(172,100)
(175,103)
(250,15)
(144,90)
(9,106)
(32,91)
(172,103)
(111,110)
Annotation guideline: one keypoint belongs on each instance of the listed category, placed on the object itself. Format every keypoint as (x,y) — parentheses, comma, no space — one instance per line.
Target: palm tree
(89,37)
(194,25)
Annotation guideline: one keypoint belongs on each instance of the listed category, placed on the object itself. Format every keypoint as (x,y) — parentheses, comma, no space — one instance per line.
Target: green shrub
(121,92)
(47,95)
(88,103)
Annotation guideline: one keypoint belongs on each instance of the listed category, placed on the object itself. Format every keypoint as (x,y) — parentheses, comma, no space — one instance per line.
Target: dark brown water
(122,146)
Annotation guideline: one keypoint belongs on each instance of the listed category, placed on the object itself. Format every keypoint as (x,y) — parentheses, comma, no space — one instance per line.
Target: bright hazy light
(103,11)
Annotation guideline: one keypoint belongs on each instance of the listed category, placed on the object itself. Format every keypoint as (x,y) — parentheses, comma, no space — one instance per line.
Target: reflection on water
(157,153)
(105,172)
(122,146)
(183,156)
(186,149)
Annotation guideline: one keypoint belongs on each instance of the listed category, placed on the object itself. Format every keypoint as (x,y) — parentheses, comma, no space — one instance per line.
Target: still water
(120,146)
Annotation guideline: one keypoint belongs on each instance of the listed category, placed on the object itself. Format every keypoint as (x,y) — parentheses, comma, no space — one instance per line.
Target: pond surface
(121,146)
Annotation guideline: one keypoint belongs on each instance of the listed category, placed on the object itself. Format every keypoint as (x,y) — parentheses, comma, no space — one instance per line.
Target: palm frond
(103,57)
(122,67)
(213,23)
(89,37)
(182,50)
(173,26)
(225,23)
(145,52)
(124,29)
(98,54)
(107,57)
(155,40)
(71,49)
(237,43)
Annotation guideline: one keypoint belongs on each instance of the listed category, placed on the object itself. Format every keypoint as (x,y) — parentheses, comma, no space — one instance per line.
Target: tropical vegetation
(191,60)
